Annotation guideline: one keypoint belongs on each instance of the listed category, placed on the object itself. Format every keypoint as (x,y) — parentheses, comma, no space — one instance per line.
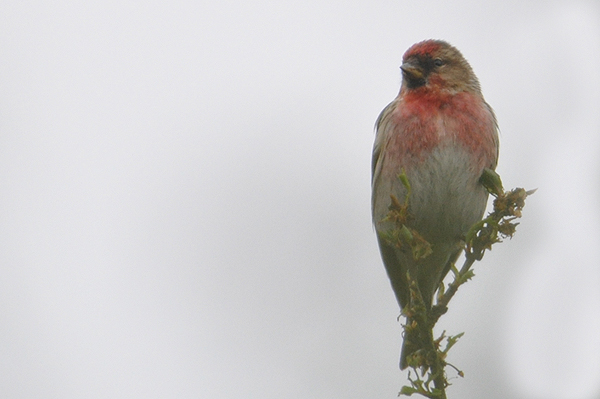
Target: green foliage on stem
(404,237)
(428,363)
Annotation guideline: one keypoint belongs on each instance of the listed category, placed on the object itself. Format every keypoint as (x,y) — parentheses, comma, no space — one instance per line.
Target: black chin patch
(412,82)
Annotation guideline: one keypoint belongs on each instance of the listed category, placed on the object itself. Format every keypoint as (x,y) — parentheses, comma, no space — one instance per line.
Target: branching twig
(428,362)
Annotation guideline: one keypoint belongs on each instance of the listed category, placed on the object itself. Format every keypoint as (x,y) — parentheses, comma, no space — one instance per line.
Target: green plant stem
(430,359)
(442,304)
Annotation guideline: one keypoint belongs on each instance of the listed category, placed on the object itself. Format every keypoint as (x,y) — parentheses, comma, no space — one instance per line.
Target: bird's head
(437,65)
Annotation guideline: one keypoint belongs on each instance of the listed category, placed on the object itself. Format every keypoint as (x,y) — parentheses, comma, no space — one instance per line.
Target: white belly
(446,198)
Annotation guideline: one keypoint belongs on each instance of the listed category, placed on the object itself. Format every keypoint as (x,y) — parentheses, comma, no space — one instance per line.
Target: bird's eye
(438,62)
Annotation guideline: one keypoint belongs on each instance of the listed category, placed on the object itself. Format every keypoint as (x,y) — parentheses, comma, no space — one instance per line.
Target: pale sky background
(185,193)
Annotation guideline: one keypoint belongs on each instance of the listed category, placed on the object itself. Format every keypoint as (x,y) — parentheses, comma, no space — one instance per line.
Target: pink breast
(423,121)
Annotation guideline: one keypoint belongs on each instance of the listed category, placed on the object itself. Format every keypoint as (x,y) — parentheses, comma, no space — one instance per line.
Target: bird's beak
(412,71)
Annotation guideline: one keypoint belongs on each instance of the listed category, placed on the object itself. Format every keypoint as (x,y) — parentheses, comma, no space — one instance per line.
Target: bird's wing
(494,135)
(382,129)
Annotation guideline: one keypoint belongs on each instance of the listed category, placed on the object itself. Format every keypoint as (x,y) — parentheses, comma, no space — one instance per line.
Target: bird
(440,133)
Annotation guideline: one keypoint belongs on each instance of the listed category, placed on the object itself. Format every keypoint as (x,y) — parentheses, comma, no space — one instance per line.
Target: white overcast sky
(185,193)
